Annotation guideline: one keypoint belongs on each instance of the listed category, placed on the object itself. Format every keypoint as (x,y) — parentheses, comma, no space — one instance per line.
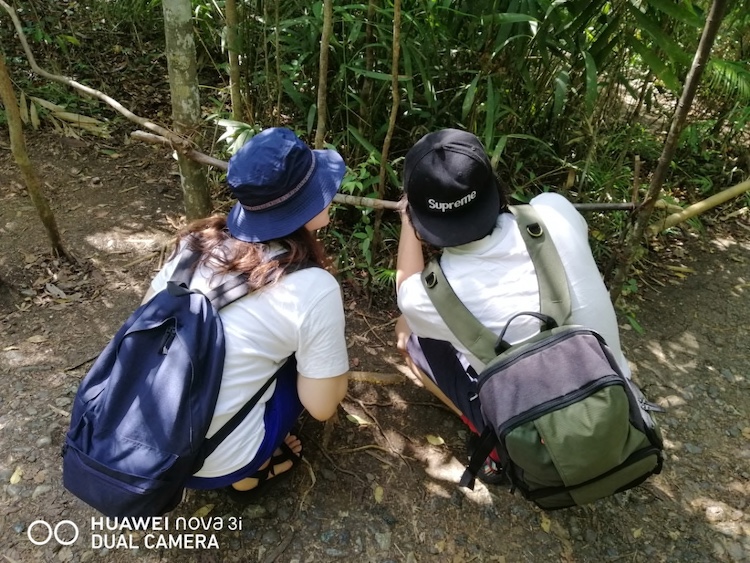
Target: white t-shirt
(495,278)
(302,314)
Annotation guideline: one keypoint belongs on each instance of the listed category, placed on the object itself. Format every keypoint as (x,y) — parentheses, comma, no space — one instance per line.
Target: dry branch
(174,139)
(343,198)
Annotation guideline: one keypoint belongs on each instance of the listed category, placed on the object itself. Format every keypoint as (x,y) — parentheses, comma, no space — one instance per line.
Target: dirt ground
(382,485)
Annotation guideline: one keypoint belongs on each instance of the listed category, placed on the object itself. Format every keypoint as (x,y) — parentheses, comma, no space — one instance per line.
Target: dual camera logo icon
(41,532)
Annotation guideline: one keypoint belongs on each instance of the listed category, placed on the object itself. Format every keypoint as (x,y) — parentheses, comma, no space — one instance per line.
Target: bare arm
(410,259)
(321,397)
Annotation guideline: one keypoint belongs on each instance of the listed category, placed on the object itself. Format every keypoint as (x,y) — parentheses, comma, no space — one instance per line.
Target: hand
(403,332)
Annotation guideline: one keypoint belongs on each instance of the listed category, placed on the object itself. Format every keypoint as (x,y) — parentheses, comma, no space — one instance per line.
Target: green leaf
(471,92)
(357,134)
(635,324)
(591,82)
(375,75)
(311,113)
(656,65)
(503,18)
(562,81)
(678,10)
(675,53)
(489,124)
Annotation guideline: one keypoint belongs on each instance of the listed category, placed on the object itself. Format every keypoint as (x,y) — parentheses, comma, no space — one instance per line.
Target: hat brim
(476,222)
(284,219)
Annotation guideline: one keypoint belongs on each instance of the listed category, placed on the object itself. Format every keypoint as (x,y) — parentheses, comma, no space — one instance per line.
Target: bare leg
(402,337)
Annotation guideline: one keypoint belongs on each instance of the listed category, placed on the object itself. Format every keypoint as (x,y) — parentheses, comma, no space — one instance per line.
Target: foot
(283,459)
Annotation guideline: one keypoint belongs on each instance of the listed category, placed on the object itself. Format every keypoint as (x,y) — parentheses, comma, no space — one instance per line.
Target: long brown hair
(226,254)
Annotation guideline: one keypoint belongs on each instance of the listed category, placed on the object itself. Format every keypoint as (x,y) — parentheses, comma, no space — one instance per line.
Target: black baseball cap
(453,195)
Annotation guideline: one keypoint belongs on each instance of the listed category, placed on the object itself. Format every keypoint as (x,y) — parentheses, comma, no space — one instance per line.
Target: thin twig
(279,549)
(82,362)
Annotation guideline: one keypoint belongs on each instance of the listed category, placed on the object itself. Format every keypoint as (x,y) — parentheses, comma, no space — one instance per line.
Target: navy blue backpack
(140,416)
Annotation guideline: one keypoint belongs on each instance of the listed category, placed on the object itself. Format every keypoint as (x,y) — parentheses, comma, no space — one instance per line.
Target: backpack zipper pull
(651,407)
(168,339)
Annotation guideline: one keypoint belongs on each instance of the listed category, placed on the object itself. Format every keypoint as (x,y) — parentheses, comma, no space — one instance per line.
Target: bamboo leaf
(24,109)
(77,118)
(375,75)
(675,53)
(471,92)
(591,82)
(504,18)
(490,109)
(311,113)
(47,105)
(656,65)
(357,134)
(34,116)
(680,11)
(562,81)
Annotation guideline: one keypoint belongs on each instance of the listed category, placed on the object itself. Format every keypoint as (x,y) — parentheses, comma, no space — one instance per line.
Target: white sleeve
(321,351)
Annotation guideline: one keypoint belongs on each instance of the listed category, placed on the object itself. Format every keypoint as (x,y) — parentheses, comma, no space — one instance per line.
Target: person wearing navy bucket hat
(453,202)
(290,324)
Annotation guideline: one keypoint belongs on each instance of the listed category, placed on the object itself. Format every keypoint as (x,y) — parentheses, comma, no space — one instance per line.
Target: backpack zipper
(559,403)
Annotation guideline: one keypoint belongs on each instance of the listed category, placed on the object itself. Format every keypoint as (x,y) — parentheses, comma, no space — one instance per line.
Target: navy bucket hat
(453,195)
(280,184)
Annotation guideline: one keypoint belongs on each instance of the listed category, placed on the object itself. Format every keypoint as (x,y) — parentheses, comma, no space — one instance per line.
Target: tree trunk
(325,40)
(713,22)
(396,99)
(18,148)
(186,109)
(235,91)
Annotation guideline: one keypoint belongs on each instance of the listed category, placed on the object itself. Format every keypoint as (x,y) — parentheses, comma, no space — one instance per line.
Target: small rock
(43,441)
(19,527)
(270,537)
(40,490)
(693,449)
(65,554)
(714,513)
(254,511)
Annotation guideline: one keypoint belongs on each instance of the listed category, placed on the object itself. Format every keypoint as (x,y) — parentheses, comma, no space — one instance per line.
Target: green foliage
(564,95)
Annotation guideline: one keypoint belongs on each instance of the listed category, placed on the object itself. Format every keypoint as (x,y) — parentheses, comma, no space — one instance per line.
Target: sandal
(490,473)
(266,477)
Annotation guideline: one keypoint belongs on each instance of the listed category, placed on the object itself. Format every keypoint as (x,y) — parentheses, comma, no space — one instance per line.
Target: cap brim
(284,219)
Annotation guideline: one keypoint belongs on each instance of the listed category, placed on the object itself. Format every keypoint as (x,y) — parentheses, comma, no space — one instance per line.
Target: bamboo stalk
(700,207)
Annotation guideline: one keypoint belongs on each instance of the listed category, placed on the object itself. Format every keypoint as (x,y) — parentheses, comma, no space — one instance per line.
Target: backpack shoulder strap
(553,288)
(477,338)
(553,284)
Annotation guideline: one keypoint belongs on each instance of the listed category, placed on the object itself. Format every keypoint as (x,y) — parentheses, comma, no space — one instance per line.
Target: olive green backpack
(568,426)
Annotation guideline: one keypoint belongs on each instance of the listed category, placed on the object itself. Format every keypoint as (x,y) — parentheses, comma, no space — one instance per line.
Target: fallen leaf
(359,421)
(546,523)
(17,475)
(378,494)
(203,511)
(637,533)
(55,291)
(435,440)
(37,339)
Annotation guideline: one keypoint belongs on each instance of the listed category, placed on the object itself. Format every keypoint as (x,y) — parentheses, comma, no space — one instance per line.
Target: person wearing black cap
(453,202)
(284,190)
